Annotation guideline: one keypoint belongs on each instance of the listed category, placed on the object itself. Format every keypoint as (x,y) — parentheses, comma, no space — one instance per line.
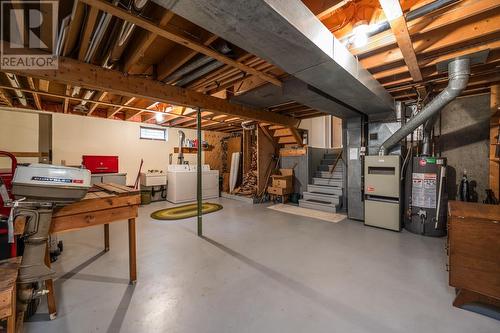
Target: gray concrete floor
(257,270)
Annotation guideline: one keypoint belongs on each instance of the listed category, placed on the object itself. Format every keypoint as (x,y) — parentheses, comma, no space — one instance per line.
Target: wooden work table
(104,204)
(474,252)
(8,276)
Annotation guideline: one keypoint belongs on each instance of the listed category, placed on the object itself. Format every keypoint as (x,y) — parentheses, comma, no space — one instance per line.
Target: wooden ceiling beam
(400,31)
(87,33)
(145,42)
(36,97)
(456,37)
(457,12)
(89,76)
(196,46)
(129,101)
(175,59)
(66,100)
(433,60)
(94,106)
(75,25)
(5,98)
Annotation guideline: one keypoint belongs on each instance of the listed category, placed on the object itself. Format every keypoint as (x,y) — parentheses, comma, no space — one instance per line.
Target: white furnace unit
(383,192)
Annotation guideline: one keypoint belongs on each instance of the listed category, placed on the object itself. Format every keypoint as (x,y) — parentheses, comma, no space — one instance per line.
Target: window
(151,133)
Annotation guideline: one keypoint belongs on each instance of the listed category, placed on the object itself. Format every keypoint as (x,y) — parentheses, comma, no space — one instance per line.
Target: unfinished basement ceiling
(455,29)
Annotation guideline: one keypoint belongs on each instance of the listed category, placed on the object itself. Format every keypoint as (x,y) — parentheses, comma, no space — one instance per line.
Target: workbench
(103,204)
(474,252)
(8,276)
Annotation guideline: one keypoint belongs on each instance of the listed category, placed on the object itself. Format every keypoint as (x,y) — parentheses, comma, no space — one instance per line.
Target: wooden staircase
(285,136)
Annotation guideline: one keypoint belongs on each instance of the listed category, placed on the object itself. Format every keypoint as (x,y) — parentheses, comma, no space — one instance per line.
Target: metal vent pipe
(458,74)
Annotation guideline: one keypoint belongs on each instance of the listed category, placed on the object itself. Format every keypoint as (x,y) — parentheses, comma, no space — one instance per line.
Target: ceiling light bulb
(360,35)
(159,117)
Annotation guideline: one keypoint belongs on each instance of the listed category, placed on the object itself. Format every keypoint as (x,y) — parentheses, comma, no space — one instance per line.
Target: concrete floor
(257,270)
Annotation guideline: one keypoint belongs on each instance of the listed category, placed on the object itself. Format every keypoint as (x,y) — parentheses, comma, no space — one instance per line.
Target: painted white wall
(323,131)
(74,136)
(18,133)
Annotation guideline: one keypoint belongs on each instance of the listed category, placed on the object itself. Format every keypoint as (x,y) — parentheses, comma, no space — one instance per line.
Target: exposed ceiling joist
(129,101)
(181,56)
(145,42)
(36,98)
(160,31)
(5,98)
(87,33)
(400,31)
(94,106)
(456,37)
(94,77)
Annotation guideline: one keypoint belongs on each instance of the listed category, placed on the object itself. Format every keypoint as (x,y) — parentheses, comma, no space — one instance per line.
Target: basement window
(152,133)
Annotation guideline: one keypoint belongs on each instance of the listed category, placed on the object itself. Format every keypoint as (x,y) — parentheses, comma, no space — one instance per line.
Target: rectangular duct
(288,35)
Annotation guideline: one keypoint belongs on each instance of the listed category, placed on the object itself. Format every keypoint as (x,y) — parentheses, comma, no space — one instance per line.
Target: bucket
(145,197)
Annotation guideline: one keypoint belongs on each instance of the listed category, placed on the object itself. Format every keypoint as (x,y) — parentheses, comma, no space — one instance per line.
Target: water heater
(426,197)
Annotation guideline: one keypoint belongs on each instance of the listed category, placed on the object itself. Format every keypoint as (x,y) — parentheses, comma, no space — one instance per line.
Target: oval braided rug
(185,211)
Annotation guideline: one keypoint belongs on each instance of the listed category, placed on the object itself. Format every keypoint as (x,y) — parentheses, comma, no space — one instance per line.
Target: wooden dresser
(474,252)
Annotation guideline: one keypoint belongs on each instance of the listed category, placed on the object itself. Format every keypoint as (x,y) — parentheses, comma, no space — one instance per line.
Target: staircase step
(324,189)
(330,198)
(330,156)
(275,127)
(328,174)
(328,182)
(317,205)
(328,161)
(283,132)
(287,139)
(324,167)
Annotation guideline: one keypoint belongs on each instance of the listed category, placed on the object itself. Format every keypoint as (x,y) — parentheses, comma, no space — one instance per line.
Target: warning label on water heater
(423,192)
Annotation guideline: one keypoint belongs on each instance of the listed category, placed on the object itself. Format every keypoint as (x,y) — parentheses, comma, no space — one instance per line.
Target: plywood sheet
(214,156)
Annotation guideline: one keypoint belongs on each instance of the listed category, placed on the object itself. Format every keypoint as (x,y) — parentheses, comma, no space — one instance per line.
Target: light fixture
(392,9)
(360,34)
(159,117)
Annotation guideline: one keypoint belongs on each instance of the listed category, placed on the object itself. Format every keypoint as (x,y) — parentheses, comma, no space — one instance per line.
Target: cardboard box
(283,182)
(284,179)
(278,191)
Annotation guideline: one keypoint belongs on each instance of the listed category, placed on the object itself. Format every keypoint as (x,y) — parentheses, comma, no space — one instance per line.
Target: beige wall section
(74,136)
(324,132)
(18,133)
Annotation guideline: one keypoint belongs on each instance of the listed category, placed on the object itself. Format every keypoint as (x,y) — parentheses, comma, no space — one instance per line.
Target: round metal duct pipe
(458,73)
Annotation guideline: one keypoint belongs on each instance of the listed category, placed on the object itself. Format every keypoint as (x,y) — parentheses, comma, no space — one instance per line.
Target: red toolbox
(100,164)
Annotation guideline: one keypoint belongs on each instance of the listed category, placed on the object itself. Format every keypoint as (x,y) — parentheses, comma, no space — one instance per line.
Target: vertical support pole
(199,180)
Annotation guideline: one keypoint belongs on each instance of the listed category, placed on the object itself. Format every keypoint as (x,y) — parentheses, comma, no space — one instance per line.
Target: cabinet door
(475,255)
(117,179)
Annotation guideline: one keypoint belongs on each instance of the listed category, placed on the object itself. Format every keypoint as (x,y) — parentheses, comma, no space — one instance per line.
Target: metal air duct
(180,156)
(288,35)
(458,73)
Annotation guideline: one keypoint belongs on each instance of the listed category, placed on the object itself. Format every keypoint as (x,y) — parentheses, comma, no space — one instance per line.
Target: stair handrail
(335,163)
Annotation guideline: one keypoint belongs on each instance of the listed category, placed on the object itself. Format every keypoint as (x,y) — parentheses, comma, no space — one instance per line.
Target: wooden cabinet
(474,252)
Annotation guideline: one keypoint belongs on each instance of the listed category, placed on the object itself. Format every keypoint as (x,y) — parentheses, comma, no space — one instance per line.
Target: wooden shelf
(187,150)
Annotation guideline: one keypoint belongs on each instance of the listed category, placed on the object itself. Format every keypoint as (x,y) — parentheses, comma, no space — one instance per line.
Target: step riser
(327,174)
(324,189)
(315,206)
(334,200)
(327,182)
(324,167)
